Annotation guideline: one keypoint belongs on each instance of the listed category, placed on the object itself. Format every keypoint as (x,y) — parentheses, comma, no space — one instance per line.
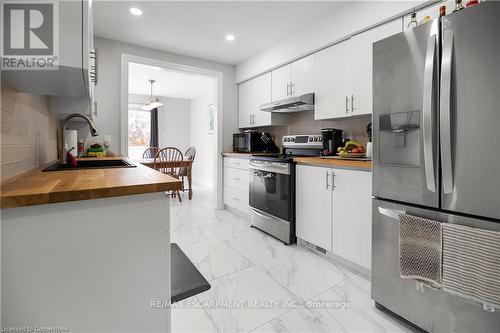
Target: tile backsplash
(304,123)
(28,132)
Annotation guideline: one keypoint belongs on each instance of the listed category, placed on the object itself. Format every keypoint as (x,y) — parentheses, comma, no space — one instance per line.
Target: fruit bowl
(351,149)
(348,155)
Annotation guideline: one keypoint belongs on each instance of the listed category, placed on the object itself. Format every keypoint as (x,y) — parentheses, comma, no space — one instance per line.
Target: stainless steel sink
(92,164)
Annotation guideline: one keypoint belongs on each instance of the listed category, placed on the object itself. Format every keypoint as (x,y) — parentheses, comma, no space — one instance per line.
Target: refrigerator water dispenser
(400,138)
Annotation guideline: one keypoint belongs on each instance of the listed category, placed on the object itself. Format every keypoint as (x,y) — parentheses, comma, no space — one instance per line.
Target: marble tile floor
(261,285)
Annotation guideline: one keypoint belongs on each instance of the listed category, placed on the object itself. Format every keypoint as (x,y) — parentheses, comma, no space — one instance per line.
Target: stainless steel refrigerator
(436,121)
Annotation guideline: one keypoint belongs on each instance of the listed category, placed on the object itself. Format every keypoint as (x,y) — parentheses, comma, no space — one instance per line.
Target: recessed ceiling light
(135,11)
(229,37)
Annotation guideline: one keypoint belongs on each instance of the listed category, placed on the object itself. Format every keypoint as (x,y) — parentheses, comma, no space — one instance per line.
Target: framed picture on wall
(211,119)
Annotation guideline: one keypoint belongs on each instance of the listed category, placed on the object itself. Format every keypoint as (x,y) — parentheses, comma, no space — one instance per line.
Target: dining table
(188,164)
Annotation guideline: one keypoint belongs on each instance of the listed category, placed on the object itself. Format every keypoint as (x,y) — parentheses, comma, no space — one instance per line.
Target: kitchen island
(86,250)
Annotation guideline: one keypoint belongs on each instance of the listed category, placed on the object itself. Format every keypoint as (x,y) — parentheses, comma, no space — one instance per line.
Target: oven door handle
(270,167)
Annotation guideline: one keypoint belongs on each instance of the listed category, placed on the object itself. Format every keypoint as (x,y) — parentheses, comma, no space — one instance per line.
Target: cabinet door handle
(236,199)
(292,88)
(236,178)
(346,104)
(333,181)
(327,174)
(288,88)
(352,103)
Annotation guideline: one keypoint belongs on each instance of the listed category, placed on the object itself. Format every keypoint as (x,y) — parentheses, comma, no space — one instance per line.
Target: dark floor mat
(187,280)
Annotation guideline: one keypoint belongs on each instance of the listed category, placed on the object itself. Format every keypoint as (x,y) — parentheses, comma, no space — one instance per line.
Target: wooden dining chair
(165,163)
(189,155)
(150,152)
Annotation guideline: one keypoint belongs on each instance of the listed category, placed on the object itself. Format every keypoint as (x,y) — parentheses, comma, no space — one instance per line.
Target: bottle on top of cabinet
(413,21)
(472,3)
(458,6)
(442,11)
(425,19)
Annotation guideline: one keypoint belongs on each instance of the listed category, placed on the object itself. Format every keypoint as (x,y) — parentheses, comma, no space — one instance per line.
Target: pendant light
(152,102)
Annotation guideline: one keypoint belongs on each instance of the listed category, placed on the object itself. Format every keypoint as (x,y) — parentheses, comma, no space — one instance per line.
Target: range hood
(293,104)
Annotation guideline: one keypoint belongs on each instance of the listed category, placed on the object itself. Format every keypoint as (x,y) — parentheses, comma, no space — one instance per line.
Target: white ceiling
(198,28)
(168,83)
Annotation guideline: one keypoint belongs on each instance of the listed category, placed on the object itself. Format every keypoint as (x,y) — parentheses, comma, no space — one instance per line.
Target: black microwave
(249,142)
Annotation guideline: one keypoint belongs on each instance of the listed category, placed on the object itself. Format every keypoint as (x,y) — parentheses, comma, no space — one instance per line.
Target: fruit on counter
(351,147)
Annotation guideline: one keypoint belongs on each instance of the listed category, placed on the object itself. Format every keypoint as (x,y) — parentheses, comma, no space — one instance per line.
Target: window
(139,129)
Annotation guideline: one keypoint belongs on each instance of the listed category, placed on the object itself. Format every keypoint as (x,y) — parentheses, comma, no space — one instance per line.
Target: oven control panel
(302,141)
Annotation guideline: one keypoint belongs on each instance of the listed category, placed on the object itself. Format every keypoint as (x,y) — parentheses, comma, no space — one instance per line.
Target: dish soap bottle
(413,21)
(81,148)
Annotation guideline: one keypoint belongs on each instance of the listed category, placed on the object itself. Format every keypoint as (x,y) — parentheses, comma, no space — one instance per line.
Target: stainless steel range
(272,186)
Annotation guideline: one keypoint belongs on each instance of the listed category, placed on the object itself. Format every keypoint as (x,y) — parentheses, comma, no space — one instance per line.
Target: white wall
(347,19)
(174,121)
(108,87)
(204,166)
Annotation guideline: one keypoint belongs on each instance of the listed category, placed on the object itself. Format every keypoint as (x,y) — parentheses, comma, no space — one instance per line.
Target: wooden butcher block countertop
(335,163)
(37,187)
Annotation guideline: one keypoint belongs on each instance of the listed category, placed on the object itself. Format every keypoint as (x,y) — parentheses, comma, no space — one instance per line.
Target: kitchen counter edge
(335,163)
(317,161)
(37,187)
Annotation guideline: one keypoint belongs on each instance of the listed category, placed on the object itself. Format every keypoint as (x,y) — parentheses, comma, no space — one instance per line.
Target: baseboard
(335,258)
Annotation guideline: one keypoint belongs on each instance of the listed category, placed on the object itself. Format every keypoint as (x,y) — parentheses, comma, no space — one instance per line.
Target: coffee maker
(332,139)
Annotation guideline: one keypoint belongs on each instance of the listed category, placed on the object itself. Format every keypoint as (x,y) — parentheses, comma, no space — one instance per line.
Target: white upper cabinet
(302,76)
(314,205)
(260,91)
(331,82)
(293,79)
(361,66)
(71,79)
(343,74)
(252,94)
(281,78)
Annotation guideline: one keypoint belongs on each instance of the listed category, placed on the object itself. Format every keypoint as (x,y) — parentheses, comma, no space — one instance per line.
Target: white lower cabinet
(236,184)
(236,199)
(333,211)
(352,216)
(314,205)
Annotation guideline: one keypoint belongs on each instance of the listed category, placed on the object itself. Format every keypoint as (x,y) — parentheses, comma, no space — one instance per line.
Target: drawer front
(236,198)
(239,163)
(237,178)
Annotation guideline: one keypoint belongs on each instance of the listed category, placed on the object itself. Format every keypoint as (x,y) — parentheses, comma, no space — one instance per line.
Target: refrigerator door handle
(393,214)
(445,112)
(428,103)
